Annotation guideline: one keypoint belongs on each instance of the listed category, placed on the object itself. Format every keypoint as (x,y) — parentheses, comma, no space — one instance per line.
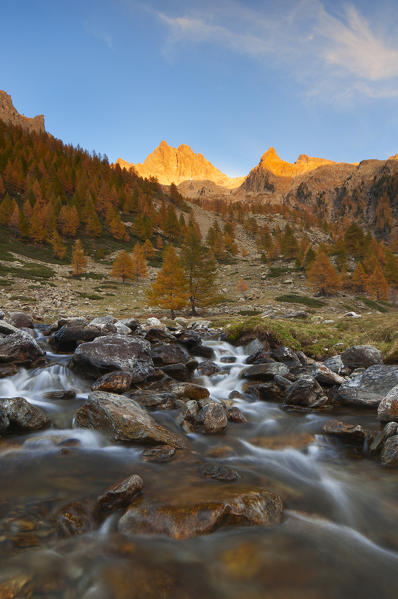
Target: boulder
(123,420)
(388,406)
(335,364)
(72,321)
(4,422)
(68,337)
(154,400)
(154,323)
(114,352)
(265,372)
(22,415)
(21,320)
(203,351)
(120,494)
(265,391)
(207,368)
(353,433)
(306,391)
(390,429)
(325,376)
(189,339)
(20,348)
(159,335)
(389,453)
(286,355)
(213,417)
(178,372)
(184,520)
(236,415)
(165,354)
(118,381)
(189,391)
(368,389)
(361,356)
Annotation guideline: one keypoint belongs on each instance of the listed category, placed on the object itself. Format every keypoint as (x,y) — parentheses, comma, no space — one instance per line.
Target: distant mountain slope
(175,165)
(10,115)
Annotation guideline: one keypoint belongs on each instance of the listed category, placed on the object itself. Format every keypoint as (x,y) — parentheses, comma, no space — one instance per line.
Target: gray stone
(22,415)
(389,430)
(388,407)
(165,354)
(306,391)
(361,356)
(368,389)
(335,364)
(389,453)
(20,348)
(265,372)
(21,320)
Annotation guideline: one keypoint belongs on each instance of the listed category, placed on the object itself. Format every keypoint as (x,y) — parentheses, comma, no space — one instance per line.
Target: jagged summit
(10,115)
(281,168)
(175,165)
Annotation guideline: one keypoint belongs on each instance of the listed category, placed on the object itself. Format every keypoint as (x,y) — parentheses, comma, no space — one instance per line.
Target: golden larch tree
(323,276)
(140,269)
(79,260)
(170,290)
(377,285)
(123,267)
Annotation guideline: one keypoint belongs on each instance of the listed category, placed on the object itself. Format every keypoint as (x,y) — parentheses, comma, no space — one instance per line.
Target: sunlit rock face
(11,116)
(175,165)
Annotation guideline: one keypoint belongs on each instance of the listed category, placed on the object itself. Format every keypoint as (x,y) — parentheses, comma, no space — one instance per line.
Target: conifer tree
(123,267)
(79,260)
(322,275)
(170,290)
(359,278)
(140,269)
(377,285)
(200,268)
(148,249)
(59,248)
(242,286)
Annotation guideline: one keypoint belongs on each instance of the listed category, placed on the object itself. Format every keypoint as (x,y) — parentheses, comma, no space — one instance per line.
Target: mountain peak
(10,115)
(175,165)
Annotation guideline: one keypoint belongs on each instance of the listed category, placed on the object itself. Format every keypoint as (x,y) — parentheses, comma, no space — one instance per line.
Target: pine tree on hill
(377,285)
(123,267)
(79,260)
(359,278)
(323,277)
(148,249)
(170,290)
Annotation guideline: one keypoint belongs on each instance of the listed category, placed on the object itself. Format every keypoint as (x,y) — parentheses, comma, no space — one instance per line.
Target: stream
(338,538)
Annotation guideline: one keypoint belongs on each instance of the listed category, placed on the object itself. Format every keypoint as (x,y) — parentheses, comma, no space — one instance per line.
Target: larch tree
(241,286)
(323,276)
(123,267)
(200,268)
(140,269)
(359,278)
(79,260)
(148,249)
(170,290)
(377,285)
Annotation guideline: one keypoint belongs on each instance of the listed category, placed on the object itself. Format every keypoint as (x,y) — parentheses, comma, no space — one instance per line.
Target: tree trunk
(193,307)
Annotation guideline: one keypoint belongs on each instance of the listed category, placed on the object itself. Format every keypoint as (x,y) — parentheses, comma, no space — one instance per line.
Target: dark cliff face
(11,116)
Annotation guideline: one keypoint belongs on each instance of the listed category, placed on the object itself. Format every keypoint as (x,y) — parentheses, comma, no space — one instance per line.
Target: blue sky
(229,78)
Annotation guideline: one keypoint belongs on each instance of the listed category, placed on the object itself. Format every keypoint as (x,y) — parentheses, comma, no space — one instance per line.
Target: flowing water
(339,536)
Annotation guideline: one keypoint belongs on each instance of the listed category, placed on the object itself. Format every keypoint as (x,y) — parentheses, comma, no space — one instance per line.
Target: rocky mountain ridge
(10,115)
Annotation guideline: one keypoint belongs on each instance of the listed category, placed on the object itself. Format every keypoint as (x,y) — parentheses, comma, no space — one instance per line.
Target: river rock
(361,356)
(114,352)
(20,348)
(155,400)
(325,376)
(368,389)
(354,433)
(21,320)
(120,494)
(203,351)
(68,337)
(74,519)
(153,322)
(72,321)
(189,391)
(4,422)
(165,354)
(189,339)
(155,335)
(265,391)
(207,368)
(306,391)
(219,472)
(132,323)
(335,364)
(287,356)
(178,372)
(22,415)
(265,372)
(236,415)
(388,407)
(184,520)
(389,453)
(118,381)
(123,420)
(213,417)
(390,429)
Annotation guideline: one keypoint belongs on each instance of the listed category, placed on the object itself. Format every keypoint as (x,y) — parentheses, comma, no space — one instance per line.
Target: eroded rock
(361,356)
(120,494)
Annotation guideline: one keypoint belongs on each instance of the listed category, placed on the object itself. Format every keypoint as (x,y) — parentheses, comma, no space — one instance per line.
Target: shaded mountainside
(175,165)
(10,115)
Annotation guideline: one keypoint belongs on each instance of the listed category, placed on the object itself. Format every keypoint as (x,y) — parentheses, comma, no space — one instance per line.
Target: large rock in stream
(361,356)
(18,414)
(123,420)
(114,352)
(183,519)
(18,346)
(368,389)
(388,407)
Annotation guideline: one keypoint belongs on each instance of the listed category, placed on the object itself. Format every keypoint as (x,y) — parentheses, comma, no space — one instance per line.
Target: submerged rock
(123,420)
(354,433)
(185,520)
(114,352)
(163,453)
(219,472)
(75,519)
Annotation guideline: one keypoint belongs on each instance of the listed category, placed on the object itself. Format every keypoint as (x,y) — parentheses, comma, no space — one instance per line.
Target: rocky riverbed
(142,461)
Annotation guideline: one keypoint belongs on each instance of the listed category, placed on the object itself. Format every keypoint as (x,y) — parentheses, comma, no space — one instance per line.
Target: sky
(230,78)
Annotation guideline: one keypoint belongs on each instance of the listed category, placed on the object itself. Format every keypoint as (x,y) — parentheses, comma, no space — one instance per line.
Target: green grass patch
(249,312)
(22,298)
(90,296)
(5,283)
(30,270)
(372,304)
(291,298)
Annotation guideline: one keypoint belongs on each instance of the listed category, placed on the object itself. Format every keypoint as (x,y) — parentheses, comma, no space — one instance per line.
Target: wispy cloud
(338,56)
